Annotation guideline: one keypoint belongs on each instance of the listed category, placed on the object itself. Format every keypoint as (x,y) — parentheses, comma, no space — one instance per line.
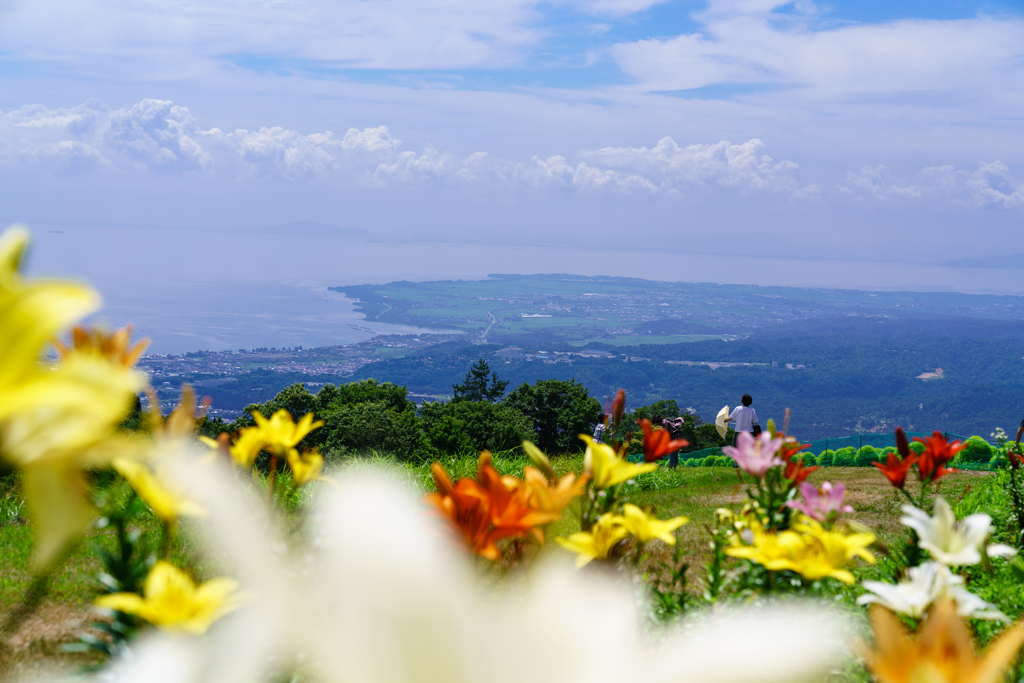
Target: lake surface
(191,289)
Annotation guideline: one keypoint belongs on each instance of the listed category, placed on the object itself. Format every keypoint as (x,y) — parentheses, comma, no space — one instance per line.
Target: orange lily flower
(931,464)
(115,346)
(943,652)
(658,442)
(511,511)
(489,508)
(467,509)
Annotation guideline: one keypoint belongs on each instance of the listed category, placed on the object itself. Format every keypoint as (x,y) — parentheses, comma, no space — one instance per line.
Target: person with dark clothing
(674,426)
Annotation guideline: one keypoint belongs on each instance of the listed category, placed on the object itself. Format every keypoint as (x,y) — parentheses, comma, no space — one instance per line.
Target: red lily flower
(797,472)
(790,447)
(896,469)
(931,464)
(658,442)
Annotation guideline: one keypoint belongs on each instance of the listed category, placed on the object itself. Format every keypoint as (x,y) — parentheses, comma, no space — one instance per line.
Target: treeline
(369,415)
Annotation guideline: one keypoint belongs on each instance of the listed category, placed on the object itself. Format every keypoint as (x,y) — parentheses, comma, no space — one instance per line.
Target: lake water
(191,290)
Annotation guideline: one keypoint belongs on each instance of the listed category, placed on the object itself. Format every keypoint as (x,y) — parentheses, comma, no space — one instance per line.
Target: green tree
(475,426)
(480,384)
(558,410)
(373,426)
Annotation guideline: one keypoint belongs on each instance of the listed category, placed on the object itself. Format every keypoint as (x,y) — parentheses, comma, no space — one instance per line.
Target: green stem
(272,479)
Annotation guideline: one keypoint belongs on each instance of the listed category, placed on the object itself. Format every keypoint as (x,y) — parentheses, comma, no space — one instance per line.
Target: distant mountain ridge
(1015,261)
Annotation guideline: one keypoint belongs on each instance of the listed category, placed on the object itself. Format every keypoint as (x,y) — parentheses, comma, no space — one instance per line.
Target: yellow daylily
(645,528)
(807,549)
(553,496)
(31,314)
(64,421)
(280,433)
(246,447)
(596,543)
(305,466)
(161,498)
(173,602)
(606,468)
(942,652)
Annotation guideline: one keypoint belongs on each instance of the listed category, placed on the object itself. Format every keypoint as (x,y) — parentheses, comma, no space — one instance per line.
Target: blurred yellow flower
(246,447)
(114,346)
(605,466)
(161,498)
(553,496)
(305,466)
(596,543)
(280,433)
(942,652)
(54,424)
(645,528)
(31,314)
(173,602)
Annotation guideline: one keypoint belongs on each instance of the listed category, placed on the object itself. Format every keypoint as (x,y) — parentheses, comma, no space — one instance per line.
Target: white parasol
(721,422)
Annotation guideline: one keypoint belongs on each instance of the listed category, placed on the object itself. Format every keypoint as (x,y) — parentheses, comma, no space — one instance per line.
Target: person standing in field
(600,429)
(744,418)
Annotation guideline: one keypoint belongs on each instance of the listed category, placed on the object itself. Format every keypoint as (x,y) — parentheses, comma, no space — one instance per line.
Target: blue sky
(871,130)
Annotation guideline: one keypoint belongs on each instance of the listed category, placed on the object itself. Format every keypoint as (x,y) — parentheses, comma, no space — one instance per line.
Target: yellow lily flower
(807,549)
(596,543)
(246,446)
(162,499)
(553,496)
(57,423)
(173,602)
(606,468)
(943,651)
(305,466)
(31,313)
(280,433)
(645,528)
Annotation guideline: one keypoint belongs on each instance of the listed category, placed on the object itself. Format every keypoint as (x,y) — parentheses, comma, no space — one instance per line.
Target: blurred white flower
(951,542)
(924,585)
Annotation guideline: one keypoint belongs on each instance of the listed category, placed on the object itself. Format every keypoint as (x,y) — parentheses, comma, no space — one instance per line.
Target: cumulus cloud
(670,166)
(991,185)
(159,137)
(748,42)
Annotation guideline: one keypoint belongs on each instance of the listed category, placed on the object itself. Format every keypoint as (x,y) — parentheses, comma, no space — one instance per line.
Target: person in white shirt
(744,417)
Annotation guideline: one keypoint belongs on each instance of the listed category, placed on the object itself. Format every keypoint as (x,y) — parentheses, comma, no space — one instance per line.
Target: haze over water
(192,290)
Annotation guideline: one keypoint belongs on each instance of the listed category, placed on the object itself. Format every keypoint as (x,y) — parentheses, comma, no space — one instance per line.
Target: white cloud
(161,137)
(745,42)
(157,137)
(405,34)
(670,166)
(991,185)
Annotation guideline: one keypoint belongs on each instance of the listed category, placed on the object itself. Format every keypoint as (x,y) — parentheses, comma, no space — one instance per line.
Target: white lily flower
(924,585)
(381,595)
(951,542)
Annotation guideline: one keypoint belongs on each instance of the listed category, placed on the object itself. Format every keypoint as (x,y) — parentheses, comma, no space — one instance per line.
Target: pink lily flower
(755,455)
(820,504)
